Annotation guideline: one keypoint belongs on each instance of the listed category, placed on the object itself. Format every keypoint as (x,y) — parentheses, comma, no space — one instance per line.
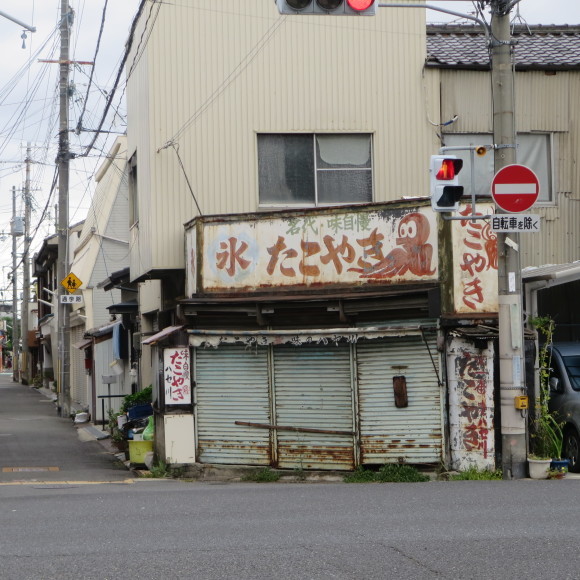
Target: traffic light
(445,191)
(338,7)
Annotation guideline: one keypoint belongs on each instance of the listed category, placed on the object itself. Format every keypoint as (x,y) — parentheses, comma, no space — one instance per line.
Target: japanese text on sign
(346,248)
(515,223)
(76,299)
(475,265)
(177,376)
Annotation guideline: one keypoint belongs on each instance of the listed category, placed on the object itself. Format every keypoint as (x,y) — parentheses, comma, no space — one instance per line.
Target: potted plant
(547,436)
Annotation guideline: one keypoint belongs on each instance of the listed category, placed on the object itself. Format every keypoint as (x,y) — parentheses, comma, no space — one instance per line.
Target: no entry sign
(515,188)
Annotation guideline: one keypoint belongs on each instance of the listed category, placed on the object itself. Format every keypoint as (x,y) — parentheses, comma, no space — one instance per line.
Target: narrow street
(37,445)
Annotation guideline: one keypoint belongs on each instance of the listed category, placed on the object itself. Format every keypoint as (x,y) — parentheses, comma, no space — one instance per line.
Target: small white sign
(518,223)
(71,299)
(177,376)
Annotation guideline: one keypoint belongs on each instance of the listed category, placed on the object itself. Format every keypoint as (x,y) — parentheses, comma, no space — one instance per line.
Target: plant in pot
(547,436)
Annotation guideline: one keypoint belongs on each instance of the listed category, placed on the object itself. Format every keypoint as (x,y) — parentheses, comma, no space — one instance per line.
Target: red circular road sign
(515,188)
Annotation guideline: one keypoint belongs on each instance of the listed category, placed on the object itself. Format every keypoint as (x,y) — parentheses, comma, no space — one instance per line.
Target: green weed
(262,476)
(473,474)
(387,473)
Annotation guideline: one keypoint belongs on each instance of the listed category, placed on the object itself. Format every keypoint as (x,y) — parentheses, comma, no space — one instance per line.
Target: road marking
(52,483)
(19,469)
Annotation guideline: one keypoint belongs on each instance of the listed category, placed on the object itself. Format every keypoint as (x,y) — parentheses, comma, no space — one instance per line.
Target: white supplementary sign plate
(515,222)
(68,299)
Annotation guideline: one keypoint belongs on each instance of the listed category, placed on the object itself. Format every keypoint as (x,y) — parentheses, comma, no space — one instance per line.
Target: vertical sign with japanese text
(474,264)
(177,375)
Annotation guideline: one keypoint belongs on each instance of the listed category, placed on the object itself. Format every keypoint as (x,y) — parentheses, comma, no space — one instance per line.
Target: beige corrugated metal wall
(220,76)
(545,103)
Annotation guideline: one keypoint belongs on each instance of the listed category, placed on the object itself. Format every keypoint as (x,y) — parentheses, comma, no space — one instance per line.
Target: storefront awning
(82,344)
(167,331)
(215,338)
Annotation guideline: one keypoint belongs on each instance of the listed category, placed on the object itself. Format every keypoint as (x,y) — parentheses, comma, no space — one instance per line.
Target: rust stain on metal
(296,429)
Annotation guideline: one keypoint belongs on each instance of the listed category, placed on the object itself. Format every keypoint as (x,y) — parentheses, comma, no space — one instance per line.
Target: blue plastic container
(139,411)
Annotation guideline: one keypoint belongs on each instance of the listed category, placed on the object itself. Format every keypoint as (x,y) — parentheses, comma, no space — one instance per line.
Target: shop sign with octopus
(354,247)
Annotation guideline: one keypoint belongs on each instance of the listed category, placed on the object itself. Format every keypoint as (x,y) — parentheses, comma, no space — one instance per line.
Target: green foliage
(159,470)
(387,473)
(547,436)
(140,398)
(262,476)
(360,475)
(113,427)
(474,474)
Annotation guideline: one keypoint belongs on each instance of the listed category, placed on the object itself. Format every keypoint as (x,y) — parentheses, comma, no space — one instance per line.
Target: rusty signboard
(474,264)
(358,246)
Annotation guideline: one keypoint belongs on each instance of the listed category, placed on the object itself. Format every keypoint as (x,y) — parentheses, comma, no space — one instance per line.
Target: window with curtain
(314,169)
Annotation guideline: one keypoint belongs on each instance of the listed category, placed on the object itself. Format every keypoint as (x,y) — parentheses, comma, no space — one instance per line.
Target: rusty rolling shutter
(313,392)
(412,434)
(232,385)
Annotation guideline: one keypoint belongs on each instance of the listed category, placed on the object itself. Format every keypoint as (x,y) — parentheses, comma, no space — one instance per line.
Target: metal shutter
(232,385)
(313,391)
(389,434)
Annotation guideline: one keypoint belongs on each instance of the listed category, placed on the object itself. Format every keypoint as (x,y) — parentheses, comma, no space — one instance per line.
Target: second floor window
(314,169)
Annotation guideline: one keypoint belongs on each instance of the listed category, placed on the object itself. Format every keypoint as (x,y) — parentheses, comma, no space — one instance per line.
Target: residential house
(99,356)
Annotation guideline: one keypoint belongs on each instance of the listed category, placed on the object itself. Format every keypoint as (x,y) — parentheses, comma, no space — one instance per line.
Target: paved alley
(38,445)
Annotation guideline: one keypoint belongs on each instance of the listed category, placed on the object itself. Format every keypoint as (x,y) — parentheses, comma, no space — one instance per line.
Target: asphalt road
(169,529)
(64,524)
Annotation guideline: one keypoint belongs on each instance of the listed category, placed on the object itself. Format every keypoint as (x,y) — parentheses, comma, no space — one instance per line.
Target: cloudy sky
(29,94)
(530,11)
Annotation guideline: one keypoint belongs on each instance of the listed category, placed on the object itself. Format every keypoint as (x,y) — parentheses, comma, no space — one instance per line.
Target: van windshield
(572,364)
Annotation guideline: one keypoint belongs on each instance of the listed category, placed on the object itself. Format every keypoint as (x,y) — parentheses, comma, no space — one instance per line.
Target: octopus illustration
(412,253)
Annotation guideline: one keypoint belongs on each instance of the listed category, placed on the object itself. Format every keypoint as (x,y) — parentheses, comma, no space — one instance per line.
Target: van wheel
(572,449)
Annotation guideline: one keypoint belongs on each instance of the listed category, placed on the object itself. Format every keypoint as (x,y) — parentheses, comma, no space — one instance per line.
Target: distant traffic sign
(71,283)
(515,188)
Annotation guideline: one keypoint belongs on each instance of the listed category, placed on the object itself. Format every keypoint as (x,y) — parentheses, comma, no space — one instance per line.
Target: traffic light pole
(511,339)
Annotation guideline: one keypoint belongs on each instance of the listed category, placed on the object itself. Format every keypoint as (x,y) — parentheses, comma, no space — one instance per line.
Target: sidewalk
(38,445)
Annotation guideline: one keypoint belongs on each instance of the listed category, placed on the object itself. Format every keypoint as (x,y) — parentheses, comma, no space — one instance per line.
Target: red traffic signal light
(360,5)
(328,7)
(444,184)
(450,167)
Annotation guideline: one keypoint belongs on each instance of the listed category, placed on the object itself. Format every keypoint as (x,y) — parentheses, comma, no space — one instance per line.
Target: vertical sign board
(177,375)
(515,188)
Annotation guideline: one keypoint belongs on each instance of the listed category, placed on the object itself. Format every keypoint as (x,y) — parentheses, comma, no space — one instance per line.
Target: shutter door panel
(232,385)
(388,434)
(313,391)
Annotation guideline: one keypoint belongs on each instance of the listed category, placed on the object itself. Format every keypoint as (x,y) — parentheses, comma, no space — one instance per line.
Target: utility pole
(63,159)
(25,377)
(511,338)
(15,325)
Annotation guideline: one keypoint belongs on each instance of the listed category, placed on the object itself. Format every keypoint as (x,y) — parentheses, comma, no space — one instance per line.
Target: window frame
(481,138)
(316,202)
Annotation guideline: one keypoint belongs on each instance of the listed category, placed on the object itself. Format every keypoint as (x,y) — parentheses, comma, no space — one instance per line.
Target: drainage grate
(21,469)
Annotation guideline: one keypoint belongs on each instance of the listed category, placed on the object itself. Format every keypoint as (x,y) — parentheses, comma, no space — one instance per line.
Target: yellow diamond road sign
(71,283)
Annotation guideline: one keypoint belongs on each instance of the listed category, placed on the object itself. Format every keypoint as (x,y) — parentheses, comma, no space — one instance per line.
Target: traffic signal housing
(332,7)
(445,189)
